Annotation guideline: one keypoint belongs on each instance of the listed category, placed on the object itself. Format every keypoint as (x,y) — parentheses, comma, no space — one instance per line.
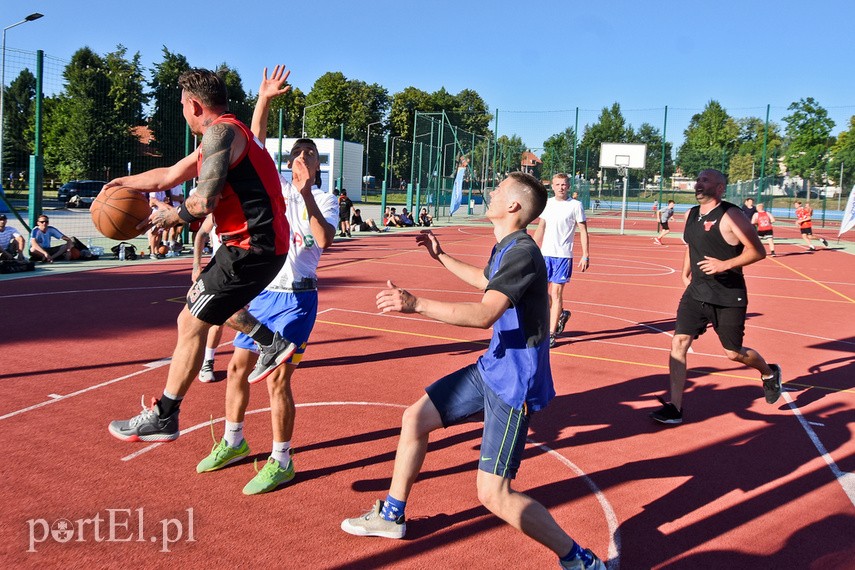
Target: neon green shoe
(271,476)
(222,455)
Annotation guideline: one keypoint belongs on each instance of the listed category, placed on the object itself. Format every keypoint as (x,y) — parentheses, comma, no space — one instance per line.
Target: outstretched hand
(395,299)
(427,239)
(272,87)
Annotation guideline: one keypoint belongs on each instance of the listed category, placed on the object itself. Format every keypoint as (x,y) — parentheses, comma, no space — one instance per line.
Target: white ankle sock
(281,452)
(234,433)
(209,353)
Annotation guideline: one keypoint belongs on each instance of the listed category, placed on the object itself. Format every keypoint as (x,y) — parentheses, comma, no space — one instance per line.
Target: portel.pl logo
(113,525)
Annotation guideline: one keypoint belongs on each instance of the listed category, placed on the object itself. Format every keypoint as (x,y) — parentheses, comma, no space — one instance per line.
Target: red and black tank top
(251,211)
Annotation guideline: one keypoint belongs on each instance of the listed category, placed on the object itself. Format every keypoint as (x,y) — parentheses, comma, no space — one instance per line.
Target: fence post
(763,163)
(34,200)
(340,181)
(662,161)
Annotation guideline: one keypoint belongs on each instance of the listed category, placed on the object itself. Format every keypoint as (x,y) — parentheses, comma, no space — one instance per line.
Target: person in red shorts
(239,183)
(804,215)
(763,221)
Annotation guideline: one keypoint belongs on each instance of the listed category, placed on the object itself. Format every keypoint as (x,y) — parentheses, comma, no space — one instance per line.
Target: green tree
(741,167)
(87,136)
(843,152)
(750,141)
(324,119)
(167,122)
(558,153)
(808,134)
(710,139)
(291,104)
(509,154)
(239,102)
(18,116)
(650,135)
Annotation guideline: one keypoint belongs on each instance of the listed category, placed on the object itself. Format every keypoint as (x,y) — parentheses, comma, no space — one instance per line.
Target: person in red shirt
(763,221)
(803,221)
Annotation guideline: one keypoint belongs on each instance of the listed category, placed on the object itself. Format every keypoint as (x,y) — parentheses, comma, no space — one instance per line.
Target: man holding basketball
(507,384)
(288,305)
(238,182)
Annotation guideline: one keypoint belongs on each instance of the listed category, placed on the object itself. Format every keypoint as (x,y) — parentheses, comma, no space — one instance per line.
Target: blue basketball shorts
(558,269)
(292,315)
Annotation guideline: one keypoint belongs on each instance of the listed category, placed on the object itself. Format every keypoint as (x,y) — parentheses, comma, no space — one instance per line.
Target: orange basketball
(163,250)
(118,210)
(74,253)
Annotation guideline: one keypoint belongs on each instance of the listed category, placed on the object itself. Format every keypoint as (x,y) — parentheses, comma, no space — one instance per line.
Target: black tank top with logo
(703,236)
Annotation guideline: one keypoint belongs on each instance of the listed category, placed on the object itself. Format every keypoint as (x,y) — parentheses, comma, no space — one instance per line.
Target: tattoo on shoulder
(216,156)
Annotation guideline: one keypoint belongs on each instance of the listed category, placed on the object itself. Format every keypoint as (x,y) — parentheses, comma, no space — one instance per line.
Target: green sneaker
(222,455)
(271,476)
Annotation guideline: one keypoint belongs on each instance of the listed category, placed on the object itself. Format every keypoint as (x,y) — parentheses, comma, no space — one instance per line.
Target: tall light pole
(304,114)
(30,18)
(367,157)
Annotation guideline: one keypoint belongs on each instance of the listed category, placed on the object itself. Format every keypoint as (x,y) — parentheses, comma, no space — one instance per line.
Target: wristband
(185,215)
(586,259)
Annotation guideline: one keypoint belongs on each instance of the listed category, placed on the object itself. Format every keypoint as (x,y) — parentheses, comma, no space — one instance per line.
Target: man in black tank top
(721,241)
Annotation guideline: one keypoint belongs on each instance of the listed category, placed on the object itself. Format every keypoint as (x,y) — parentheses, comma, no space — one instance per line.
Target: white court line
(146,368)
(608,511)
(845,479)
(78,291)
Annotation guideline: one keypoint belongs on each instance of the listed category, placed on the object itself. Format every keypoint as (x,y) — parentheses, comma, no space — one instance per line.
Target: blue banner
(457,190)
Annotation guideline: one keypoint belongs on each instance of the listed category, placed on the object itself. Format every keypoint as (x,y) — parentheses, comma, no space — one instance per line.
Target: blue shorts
(462,397)
(558,269)
(292,315)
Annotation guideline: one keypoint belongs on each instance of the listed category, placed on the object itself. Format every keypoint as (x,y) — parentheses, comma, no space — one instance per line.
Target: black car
(79,193)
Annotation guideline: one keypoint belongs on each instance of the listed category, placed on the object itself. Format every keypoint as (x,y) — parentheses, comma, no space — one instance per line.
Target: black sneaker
(552,341)
(824,241)
(667,414)
(772,386)
(271,357)
(147,426)
(562,320)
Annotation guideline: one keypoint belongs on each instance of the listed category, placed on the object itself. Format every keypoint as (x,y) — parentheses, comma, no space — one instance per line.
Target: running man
(665,215)
(288,305)
(555,232)
(238,182)
(507,384)
(721,242)
(804,215)
(763,220)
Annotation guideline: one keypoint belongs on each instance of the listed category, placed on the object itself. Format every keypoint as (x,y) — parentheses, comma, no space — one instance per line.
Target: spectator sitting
(11,242)
(357,224)
(425,219)
(40,249)
(406,219)
(392,219)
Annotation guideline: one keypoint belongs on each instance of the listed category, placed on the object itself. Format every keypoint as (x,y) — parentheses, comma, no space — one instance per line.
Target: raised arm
(269,90)
(468,273)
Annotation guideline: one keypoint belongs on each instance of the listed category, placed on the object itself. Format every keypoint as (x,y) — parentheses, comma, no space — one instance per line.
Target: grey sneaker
(579,564)
(667,414)
(372,524)
(271,357)
(147,426)
(206,374)
(562,321)
(824,241)
(772,386)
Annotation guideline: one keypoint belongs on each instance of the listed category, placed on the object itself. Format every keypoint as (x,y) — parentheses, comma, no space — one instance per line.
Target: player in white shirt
(555,232)
(288,305)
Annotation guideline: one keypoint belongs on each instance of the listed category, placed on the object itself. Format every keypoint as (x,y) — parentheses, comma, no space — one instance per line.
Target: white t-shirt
(7,235)
(304,253)
(560,218)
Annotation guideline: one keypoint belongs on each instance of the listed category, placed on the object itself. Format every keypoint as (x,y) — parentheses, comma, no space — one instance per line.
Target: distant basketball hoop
(623,157)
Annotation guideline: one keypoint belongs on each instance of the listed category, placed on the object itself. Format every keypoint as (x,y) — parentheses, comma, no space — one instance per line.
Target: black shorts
(664,225)
(764,233)
(807,231)
(693,316)
(232,279)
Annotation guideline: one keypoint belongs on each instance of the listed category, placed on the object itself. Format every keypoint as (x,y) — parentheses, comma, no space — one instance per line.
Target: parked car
(801,193)
(79,193)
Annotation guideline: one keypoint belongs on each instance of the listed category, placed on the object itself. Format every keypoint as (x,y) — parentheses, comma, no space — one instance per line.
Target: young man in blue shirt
(507,383)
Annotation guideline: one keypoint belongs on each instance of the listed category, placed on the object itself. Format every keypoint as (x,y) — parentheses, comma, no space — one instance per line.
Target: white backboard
(623,155)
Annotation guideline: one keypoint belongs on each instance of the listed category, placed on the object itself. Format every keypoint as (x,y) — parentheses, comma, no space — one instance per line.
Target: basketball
(118,210)
(74,253)
(162,250)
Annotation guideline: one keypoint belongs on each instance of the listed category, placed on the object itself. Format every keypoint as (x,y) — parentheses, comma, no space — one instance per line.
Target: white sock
(209,353)
(234,433)
(281,452)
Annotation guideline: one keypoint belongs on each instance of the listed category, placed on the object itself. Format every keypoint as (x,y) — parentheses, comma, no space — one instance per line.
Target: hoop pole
(623,172)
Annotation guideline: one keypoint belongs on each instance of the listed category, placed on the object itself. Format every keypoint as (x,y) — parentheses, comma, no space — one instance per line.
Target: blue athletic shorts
(292,315)
(462,397)
(558,269)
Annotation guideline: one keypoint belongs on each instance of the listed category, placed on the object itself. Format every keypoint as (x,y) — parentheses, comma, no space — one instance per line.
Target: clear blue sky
(548,55)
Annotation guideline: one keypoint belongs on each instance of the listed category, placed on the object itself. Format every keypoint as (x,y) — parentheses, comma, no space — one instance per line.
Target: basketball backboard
(623,155)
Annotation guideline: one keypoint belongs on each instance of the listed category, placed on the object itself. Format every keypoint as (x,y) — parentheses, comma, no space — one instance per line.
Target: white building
(333,164)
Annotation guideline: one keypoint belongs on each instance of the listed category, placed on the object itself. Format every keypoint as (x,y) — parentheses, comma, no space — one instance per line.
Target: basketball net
(621,170)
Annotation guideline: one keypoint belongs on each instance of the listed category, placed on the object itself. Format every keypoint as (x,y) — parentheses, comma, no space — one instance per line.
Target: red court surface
(741,484)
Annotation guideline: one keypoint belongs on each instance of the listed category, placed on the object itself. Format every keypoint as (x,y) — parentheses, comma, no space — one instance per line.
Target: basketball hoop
(622,164)
(622,170)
